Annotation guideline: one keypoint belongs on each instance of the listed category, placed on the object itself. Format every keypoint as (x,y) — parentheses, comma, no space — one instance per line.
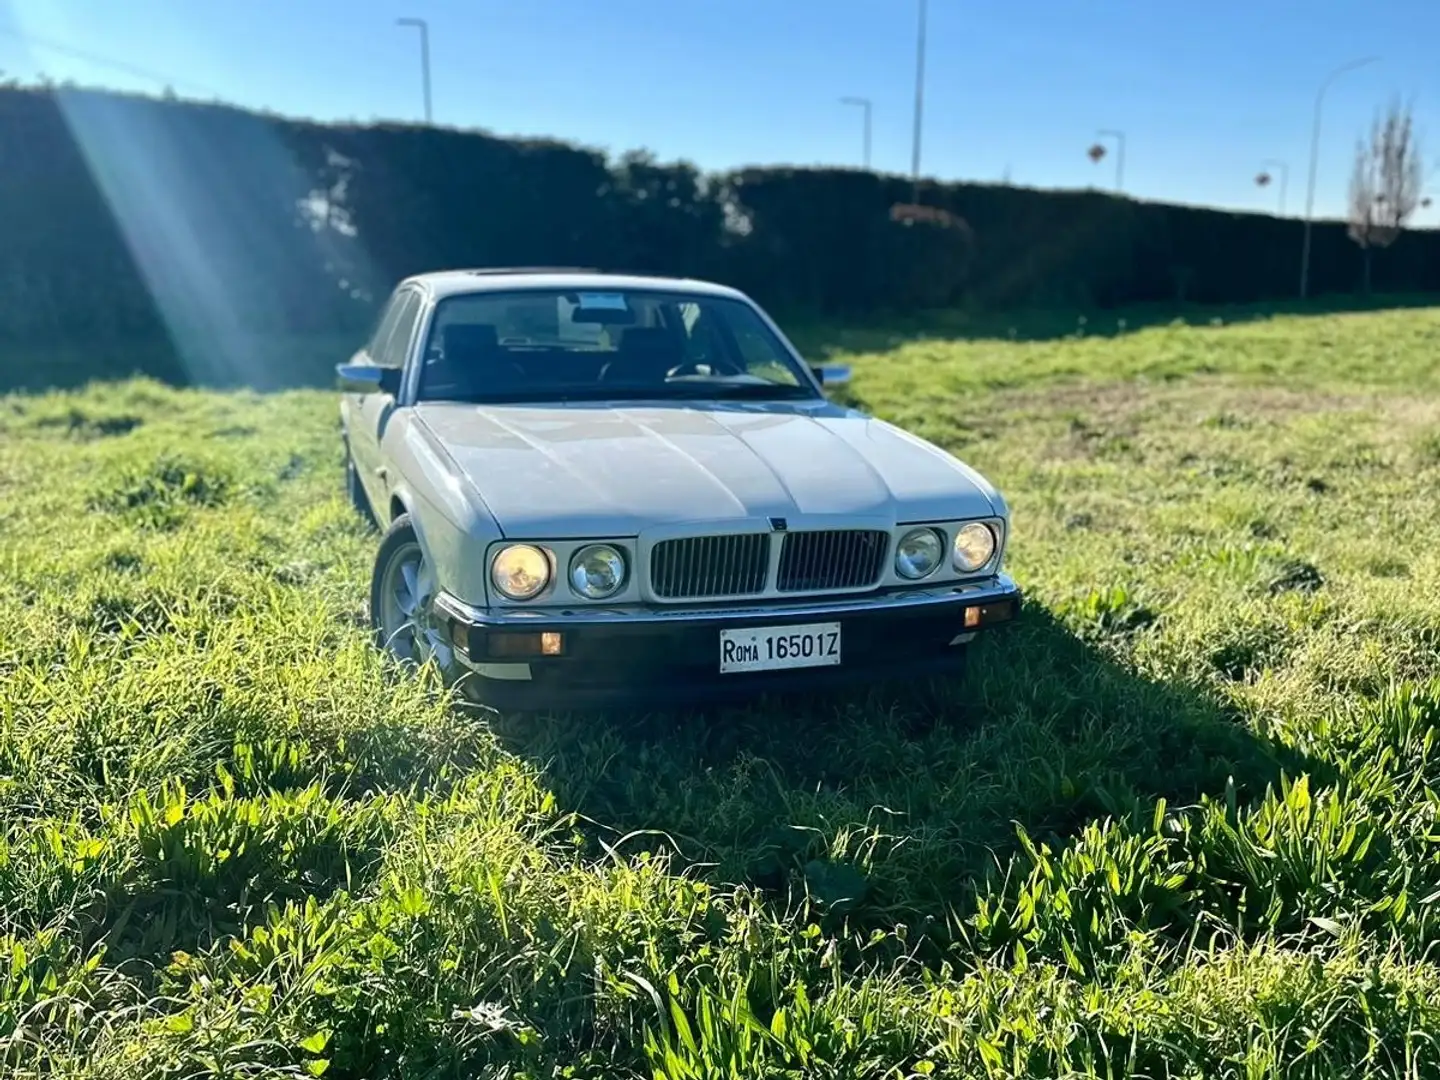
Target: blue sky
(1205,92)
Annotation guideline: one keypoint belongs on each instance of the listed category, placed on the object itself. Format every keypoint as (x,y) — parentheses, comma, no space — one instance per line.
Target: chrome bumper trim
(961,594)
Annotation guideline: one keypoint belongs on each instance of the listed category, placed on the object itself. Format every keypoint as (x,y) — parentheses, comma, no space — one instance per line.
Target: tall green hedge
(203,238)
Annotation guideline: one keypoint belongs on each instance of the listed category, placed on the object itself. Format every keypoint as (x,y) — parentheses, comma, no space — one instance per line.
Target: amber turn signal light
(457,632)
(512,646)
(987,614)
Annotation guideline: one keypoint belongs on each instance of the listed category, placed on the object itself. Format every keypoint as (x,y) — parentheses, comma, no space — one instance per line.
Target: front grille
(838,559)
(710,566)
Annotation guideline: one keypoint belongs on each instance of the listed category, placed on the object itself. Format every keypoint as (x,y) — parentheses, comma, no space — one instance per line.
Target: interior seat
(470,362)
(645,355)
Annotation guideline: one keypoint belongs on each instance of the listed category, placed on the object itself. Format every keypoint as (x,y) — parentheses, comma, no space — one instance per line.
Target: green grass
(1179,821)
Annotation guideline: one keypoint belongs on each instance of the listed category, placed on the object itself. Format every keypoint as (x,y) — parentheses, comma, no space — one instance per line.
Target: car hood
(619,469)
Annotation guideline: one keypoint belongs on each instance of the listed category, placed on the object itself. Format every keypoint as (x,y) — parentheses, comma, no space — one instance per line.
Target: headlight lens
(520,572)
(597,571)
(918,553)
(974,547)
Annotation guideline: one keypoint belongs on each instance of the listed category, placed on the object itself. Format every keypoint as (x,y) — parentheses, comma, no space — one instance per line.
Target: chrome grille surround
(739,564)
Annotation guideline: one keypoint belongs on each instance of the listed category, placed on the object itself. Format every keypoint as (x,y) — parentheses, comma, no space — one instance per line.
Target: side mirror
(831,375)
(368,378)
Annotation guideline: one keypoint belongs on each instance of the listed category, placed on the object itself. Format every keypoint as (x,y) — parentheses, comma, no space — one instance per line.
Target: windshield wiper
(744,391)
(688,391)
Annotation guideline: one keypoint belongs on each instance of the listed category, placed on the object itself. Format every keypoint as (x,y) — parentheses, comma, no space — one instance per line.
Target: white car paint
(615,470)
(470,476)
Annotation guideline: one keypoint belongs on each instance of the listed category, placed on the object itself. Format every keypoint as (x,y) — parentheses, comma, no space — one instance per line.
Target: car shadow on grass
(899,796)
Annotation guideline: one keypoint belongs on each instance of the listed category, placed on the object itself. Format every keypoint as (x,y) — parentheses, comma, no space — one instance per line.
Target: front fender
(452,524)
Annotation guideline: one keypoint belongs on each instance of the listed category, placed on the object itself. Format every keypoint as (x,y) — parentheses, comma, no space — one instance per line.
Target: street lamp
(1314,152)
(865,104)
(1097,152)
(919,102)
(1425,200)
(1264,178)
(424,28)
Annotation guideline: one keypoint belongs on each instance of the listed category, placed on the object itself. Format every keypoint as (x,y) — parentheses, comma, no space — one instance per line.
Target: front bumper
(671,654)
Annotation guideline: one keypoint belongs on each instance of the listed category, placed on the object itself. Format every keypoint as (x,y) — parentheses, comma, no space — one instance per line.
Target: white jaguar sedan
(600,488)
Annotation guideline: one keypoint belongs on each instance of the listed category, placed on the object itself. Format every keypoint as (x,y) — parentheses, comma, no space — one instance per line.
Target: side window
(376,345)
(396,346)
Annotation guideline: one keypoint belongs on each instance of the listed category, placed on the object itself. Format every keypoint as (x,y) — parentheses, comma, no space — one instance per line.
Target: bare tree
(1386,183)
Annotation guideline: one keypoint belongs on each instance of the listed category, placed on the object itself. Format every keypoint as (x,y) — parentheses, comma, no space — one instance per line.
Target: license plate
(775,647)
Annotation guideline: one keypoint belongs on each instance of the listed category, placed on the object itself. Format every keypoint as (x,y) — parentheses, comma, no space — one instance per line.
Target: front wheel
(402,598)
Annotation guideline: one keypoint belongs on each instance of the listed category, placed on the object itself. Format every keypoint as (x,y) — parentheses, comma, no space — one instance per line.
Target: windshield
(557,345)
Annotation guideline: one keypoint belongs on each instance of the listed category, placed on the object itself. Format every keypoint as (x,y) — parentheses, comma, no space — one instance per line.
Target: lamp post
(1426,200)
(919,102)
(865,104)
(1119,137)
(1314,153)
(1264,178)
(424,28)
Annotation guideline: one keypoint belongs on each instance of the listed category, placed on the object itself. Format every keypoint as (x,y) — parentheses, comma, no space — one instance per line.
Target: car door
(373,411)
(361,448)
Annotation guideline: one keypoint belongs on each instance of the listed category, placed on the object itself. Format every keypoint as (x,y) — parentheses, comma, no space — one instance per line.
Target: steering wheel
(613,371)
(513,367)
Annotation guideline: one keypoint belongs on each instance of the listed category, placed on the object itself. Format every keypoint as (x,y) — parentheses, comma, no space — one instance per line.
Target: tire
(356,491)
(402,591)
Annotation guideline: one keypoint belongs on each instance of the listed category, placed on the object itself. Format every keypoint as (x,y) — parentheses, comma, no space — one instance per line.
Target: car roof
(442,283)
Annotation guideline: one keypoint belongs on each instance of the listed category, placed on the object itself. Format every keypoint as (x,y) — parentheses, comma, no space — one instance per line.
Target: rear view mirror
(831,374)
(600,309)
(602,317)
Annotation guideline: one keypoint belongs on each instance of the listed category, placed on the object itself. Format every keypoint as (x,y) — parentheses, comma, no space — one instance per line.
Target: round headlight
(918,553)
(597,571)
(974,547)
(520,572)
